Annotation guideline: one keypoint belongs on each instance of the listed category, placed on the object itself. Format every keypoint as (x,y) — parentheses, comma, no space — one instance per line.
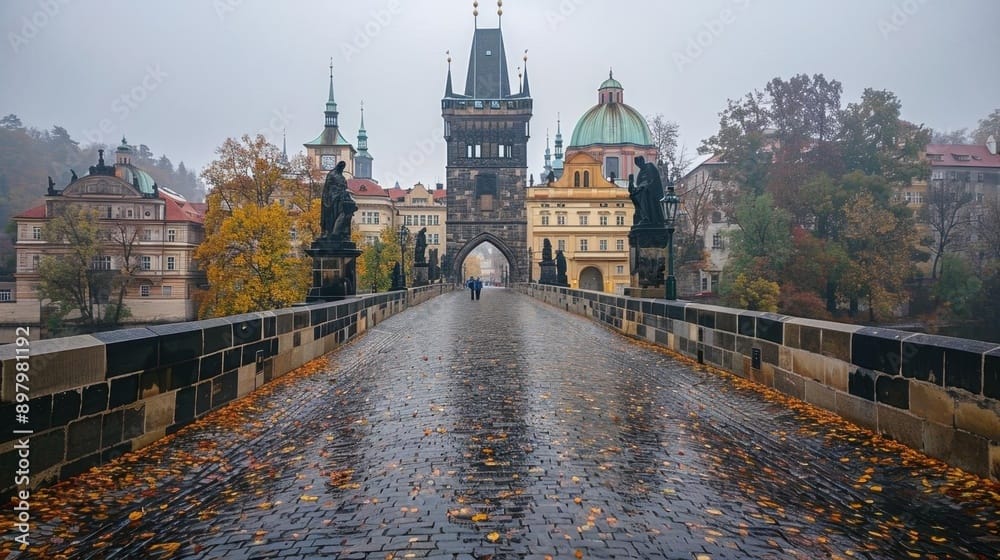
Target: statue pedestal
(548,275)
(647,256)
(334,270)
(420,277)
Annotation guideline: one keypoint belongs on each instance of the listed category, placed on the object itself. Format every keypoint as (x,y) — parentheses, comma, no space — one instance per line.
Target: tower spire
(331,105)
(525,90)
(447,87)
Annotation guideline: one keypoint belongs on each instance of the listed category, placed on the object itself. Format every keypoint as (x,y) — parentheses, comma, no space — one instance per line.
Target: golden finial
(448,52)
(499,7)
(525,56)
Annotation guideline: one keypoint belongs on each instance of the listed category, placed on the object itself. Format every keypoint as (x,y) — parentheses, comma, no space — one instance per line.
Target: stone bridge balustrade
(938,395)
(95,397)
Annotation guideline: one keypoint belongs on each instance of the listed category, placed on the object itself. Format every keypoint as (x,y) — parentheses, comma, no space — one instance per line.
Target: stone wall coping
(51,345)
(827,325)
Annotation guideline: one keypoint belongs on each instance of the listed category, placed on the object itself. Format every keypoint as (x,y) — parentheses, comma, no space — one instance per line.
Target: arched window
(576,178)
(586,178)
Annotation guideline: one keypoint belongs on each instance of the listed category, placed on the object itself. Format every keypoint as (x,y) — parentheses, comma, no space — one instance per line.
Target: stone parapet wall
(92,398)
(936,394)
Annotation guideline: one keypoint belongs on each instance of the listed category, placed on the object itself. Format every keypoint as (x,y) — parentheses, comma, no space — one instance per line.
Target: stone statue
(551,178)
(338,205)
(52,186)
(419,246)
(73,176)
(397,276)
(546,250)
(646,190)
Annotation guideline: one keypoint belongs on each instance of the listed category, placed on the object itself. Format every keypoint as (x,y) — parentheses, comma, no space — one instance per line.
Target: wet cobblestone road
(505,428)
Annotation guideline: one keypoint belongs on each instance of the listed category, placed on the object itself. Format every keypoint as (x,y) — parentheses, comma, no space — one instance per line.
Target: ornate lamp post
(530,266)
(404,234)
(670,203)
(377,272)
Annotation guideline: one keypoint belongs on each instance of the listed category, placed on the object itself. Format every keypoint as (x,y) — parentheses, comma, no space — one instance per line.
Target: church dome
(611,121)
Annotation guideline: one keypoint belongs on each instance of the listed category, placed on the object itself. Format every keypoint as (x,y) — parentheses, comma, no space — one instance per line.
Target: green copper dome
(611,123)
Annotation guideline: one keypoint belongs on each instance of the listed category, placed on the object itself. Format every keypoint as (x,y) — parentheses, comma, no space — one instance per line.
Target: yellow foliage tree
(250,265)
(758,294)
(377,260)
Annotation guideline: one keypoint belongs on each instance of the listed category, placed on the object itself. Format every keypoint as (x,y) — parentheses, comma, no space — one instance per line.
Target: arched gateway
(487,129)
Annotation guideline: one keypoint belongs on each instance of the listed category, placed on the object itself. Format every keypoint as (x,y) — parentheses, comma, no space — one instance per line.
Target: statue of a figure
(646,190)
(338,205)
(561,267)
(551,178)
(419,246)
(546,250)
(397,276)
(52,186)
(73,176)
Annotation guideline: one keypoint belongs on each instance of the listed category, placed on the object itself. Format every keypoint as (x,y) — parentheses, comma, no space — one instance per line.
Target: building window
(486,191)
(561,219)
(576,178)
(603,244)
(619,220)
(979,177)
(171,263)
(144,290)
(6,295)
(167,291)
(146,235)
(437,220)
(36,232)
(561,244)
(100,262)
(107,212)
(545,220)
(704,283)
(584,219)
(620,269)
(717,241)
(583,244)
(294,233)
(171,235)
(468,150)
(619,244)
(35,261)
(129,213)
(586,179)
(435,239)
(423,219)
(604,220)
(611,168)
(146,263)
(478,151)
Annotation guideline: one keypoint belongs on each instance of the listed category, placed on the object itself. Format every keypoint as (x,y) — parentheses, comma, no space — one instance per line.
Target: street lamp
(404,234)
(670,203)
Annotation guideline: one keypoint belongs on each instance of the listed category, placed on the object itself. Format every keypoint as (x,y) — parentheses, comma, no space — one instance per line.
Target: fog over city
(182,76)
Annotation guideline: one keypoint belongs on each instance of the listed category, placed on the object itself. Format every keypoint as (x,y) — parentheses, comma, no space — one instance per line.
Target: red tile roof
(33,212)
(182,211)
(396,193)
(365,187)
(972,155)
(440,194)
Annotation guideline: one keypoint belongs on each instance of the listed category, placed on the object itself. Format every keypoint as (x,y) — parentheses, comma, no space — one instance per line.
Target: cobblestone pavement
(504,428)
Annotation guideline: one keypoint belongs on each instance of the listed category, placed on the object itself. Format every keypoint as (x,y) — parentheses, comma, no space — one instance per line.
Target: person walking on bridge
(479,287)
(471,285)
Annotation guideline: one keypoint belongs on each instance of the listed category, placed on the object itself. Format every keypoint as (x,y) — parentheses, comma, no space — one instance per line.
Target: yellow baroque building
(588,218)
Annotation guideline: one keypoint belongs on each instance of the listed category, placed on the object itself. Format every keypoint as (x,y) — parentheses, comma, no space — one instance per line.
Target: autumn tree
(762,244)
(947,210)
(377,260)
(79,279)
(742,143)
(665,134)
(250,264)
(959,136)
(754,294)
(879,239)
(248,251)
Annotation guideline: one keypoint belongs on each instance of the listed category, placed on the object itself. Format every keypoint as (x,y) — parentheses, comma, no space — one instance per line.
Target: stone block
(224,388)
(747,324)
(209,366)
(65,407)
(789,383)
(861,384)
(129,350)
(47,449)
(40,413)
(771,328)
(938,440)
(900,426)
(971,452)
(203,399)
(837,374)
(83,437)
(923,359)
(94,399)
(159,412)
(893,391)
(246,380)
(819,395)
(217,335)
(764,375)
(809,365)
(836,341)
(112,428)
(148,438)
(247,328)
(857,410)
(184,403)
(991,374)
(878,349)
(133,421)
(178,342)
(57,364)
(932,403)
(124,390)
(811,339)
(979,416)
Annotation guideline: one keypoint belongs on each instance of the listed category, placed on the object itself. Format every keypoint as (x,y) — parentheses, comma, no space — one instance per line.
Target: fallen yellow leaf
(480,517)
(135,516)
(493,537)
(307,498)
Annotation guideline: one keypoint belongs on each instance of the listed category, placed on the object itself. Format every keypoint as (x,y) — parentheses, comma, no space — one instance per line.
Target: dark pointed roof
(487,76)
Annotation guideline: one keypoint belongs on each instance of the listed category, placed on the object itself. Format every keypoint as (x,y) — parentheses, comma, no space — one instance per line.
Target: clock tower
(330,146)
(486,128)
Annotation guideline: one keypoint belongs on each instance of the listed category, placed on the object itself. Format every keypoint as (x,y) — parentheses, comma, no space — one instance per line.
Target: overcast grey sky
(182,76)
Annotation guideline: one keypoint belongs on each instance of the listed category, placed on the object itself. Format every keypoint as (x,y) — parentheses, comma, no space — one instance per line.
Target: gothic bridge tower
(487,130)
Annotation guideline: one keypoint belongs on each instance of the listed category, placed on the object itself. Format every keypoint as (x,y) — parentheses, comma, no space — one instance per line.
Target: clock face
(328,162)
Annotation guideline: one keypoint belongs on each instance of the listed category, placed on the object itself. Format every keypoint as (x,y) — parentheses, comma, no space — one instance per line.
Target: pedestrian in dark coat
(479,287)
(471,285)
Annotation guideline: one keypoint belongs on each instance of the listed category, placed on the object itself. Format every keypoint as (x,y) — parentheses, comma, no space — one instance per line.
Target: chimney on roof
(991,145)
(439,187)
